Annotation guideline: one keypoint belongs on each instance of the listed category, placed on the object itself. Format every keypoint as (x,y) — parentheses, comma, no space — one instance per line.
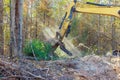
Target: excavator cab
(65,25)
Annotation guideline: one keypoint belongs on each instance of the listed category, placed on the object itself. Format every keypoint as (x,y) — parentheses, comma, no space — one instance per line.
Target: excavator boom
(114,11)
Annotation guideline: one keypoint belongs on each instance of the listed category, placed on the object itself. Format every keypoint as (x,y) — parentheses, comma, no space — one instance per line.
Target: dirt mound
(86,68)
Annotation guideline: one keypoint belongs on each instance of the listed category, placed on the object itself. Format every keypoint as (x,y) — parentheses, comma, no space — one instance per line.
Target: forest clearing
(59,40)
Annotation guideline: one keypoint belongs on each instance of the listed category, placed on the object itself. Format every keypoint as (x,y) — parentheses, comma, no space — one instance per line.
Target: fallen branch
(11,67)
(40,77)
(19,76)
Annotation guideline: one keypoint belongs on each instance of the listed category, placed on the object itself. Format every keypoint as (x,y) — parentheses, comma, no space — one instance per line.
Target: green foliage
(38,49)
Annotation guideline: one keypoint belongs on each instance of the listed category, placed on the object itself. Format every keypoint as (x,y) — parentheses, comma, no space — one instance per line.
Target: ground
(90,67)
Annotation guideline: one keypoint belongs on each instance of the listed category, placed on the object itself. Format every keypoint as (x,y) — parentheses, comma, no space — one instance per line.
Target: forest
(59,40)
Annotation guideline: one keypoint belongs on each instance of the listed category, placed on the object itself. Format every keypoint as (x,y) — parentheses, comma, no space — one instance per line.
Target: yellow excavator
(64,28)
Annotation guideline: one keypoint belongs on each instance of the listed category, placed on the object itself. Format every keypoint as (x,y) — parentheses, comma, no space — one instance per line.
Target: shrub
(38,49)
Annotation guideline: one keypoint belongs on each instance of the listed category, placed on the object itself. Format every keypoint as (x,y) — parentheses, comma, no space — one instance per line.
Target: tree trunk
(13,46)
(98,35)
(44,17)
(36,31)
(113,33)
(19,22)
(16,27)
(1,29)
(113,44)
(29,18)
(20,27)
(16,20)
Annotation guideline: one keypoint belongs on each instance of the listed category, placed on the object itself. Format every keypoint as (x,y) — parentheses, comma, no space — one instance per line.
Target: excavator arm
(65,25)
(113,11)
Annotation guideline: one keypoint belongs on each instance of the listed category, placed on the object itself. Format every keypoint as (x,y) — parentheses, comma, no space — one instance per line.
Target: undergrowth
(38,49)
